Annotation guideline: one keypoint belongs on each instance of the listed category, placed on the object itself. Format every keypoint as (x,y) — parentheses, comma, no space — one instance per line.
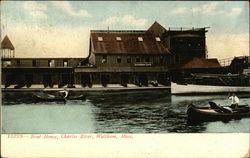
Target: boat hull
(192,89)
(44,98)
(200,114)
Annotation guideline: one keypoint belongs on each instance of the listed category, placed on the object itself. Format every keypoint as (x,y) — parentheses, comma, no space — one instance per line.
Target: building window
(119,60)
(128,60)
(51,63)
(65,63)
(18,62)
(6,63)
(33,62)
(161,60)
(157,39)
(147,59)
(118,38)
(138,60)
(140,39)
(104,58)
(100,39)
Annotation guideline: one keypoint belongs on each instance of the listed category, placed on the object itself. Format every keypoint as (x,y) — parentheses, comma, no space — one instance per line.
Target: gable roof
(6,43)
(199,63)
(129,43)
(156,28)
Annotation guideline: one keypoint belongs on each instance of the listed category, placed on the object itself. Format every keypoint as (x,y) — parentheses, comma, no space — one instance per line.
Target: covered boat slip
(79,88)
(179,89)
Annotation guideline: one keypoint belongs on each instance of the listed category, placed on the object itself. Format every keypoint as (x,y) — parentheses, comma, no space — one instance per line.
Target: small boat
(57,98)
(214,113)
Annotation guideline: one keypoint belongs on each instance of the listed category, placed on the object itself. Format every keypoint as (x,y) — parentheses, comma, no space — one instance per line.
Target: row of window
(51,63)
(158,39)
(137,59)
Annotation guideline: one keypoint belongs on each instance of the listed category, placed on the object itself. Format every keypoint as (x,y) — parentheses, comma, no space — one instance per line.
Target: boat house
(138,57)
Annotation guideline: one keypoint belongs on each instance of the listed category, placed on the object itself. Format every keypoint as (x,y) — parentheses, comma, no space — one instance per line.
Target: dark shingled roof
(6,43)
(156,28)
(129,43)
(199,63)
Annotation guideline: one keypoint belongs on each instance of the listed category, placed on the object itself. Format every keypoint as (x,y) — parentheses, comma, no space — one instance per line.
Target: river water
(114,112)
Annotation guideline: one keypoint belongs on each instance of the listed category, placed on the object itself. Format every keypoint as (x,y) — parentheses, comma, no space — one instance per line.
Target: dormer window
(100,38)
(104,58)
(65,63)
(119,60)
(18,62)
(33,62)
(6,63)
(140,39)
(51,63)
(118,38)
(157,39)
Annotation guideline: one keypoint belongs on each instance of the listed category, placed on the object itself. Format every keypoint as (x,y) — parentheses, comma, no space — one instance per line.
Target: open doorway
(143,79)
(86,80)
(105,79)
(124,79)
(47,80)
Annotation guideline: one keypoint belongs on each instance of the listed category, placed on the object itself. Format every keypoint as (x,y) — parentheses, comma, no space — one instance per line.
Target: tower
(8,50)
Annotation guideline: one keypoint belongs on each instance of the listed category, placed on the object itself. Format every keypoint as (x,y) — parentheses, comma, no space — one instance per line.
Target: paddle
(223,109)
(213,105)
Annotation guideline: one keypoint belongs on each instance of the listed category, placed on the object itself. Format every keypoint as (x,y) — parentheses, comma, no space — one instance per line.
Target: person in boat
(235,100)
(65,92)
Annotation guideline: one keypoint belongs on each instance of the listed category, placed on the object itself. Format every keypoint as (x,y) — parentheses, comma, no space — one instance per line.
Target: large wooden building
(120,56)
(138,57)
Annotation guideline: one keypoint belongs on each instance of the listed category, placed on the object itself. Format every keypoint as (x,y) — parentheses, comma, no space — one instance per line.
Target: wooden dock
(79,88)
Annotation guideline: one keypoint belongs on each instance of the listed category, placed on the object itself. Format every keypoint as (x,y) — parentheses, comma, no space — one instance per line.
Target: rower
(235,100)
(65,92)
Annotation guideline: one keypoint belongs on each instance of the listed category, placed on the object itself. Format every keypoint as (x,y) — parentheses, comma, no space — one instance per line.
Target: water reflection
(113,112)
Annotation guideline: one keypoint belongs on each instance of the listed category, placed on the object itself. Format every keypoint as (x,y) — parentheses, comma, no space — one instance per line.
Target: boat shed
(127,56)
(196,65)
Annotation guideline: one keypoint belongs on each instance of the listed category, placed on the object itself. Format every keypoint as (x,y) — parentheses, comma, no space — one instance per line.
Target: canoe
(200,114)
(56,98)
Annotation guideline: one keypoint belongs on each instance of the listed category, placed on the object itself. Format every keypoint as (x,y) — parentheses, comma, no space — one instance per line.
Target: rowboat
(213,113)
(57,98)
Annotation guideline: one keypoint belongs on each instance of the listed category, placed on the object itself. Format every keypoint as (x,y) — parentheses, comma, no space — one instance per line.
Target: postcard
(125,79)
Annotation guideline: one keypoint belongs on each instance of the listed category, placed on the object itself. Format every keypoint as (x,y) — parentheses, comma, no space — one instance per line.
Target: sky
(62,28)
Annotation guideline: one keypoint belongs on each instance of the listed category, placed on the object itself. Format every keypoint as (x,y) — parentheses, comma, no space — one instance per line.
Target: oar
(213,105)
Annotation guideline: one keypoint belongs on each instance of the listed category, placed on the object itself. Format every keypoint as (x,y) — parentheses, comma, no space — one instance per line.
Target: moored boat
(195,89)
(57,98)
(197,114)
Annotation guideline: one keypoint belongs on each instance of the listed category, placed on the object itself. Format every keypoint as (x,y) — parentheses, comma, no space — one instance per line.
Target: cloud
(179,10)
(227,45)
(235,11)
(38,14)
(48,41)
(127,20)
(32,5)
(132,21)
(208,8)
(35,9)
(211,8)
(110,21)
(66,7)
